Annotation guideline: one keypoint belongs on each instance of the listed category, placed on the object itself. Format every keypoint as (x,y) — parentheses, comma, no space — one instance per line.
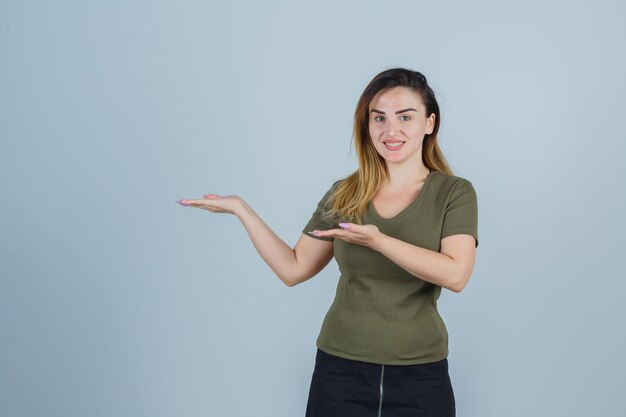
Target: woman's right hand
(215,203)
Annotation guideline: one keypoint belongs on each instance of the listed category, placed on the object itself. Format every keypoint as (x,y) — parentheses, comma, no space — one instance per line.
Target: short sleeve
(461,216)
(317,222)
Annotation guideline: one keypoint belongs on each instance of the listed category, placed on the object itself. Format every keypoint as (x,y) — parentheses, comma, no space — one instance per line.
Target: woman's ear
(430,123)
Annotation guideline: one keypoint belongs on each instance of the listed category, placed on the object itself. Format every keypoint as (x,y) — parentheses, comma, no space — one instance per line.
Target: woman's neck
(406,176)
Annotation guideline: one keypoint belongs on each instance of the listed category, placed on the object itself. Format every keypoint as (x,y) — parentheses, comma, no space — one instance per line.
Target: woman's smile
(393,145)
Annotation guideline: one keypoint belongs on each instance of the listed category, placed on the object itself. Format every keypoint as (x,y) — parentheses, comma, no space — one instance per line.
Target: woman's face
(398,117)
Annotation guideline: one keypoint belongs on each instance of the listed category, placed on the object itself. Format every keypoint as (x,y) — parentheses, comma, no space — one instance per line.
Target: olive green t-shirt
(381,313)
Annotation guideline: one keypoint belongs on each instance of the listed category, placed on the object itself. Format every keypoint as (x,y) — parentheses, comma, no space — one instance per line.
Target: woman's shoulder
(446,183)
(338,182)
(448,178)
(330,189)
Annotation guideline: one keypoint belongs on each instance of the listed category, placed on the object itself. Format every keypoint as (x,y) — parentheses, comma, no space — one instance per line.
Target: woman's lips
(398,144)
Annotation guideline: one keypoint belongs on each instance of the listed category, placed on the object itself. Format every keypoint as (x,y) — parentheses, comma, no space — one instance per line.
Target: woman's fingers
(213,203)
(352,233)
(188,203)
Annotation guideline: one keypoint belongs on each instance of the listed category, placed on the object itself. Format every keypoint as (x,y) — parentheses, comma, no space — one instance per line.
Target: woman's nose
(393,126)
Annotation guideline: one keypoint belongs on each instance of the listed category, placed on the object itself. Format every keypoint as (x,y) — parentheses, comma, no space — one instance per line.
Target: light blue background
(116,301)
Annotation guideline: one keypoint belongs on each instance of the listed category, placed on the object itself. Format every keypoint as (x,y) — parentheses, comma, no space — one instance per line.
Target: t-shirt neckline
(415,202)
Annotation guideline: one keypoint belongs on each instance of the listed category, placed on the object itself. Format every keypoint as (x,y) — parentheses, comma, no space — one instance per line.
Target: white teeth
(393,143)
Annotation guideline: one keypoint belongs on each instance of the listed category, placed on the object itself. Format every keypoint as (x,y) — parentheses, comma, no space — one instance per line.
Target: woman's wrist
(242,209)
(378,241)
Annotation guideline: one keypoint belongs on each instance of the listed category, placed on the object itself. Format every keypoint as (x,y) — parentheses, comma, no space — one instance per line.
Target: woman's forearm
(276,253)
(431,266)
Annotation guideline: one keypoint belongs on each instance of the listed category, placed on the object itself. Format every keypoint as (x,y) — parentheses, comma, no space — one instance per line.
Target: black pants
(346,388)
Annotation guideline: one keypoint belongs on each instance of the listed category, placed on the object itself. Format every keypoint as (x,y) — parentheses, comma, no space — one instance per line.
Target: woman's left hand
(361,234)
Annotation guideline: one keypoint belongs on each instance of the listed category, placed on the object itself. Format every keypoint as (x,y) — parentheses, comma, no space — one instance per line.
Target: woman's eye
(380,118)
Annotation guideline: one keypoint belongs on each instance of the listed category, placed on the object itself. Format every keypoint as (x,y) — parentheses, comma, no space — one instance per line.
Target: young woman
(401,228)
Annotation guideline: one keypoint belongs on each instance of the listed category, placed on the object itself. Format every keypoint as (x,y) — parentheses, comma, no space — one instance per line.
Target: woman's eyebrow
(399,111)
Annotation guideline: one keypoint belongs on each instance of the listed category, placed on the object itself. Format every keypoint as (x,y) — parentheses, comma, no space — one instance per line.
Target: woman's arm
(451,268)
(292,266)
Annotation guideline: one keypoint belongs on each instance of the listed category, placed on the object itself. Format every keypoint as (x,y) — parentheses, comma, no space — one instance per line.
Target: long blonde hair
(350,198)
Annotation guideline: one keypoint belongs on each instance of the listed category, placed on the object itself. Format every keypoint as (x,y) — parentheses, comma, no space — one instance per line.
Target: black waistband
(375,368)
